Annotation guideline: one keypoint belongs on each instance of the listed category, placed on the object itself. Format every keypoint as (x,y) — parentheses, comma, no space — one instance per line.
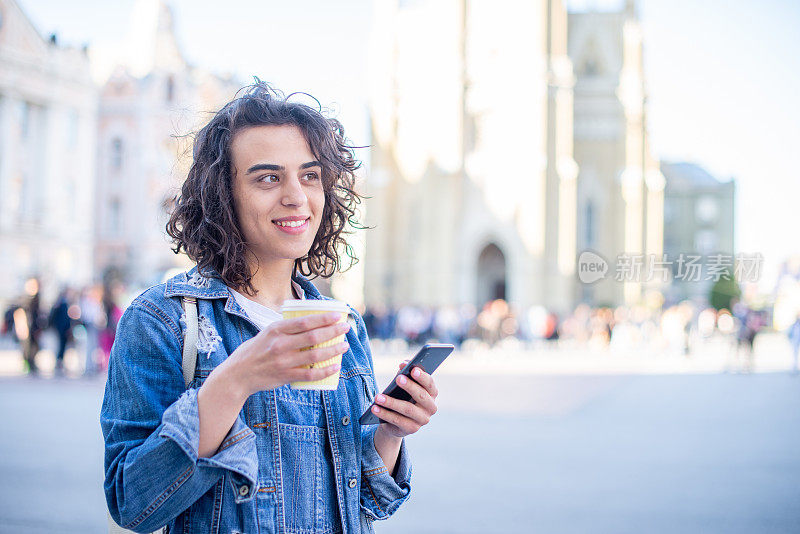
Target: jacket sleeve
(151,426)
(381,492)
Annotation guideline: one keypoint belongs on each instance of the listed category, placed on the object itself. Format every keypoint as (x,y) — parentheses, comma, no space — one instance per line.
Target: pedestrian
(92,320)
(8,330)
(61,322)
(111,315)
(263,208)
(29,324)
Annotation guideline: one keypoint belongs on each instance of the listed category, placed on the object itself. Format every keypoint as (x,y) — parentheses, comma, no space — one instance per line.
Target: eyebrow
(273,167)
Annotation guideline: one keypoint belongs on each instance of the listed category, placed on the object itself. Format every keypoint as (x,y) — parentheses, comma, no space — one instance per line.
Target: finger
(298,325)
(418,393)
(316,336)
(403,364)
(303,374)
(405,424)
(425,380)
(320,354)
(414,412)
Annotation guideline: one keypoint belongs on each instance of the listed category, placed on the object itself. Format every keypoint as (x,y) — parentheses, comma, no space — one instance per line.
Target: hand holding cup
(299,350)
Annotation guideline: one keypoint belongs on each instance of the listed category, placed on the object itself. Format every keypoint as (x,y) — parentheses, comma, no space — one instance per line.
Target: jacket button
(346,420)
(352,483)
(244,490)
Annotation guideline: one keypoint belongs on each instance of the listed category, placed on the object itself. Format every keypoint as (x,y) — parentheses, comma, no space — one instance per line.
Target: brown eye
(270,178)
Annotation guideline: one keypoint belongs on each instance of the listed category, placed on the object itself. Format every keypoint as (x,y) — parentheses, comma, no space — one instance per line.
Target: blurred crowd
(84,319)
(682,329)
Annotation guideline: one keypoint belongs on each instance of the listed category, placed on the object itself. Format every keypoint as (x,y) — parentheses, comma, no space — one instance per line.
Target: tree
(724,290)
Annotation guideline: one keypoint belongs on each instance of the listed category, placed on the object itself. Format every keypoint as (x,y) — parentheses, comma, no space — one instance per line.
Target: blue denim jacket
(267,476)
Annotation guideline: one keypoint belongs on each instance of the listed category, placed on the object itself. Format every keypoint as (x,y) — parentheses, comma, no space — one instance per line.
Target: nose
(293,194)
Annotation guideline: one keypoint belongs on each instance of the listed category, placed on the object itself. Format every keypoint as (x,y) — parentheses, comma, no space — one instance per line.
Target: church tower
(619,187)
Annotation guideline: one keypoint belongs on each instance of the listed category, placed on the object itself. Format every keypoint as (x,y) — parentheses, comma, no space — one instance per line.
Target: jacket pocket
(309,492)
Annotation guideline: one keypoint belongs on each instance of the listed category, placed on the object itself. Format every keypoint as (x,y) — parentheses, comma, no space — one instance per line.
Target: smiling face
(277,191)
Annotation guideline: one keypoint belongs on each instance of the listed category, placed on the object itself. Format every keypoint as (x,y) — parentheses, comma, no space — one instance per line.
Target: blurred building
(47,145)
(472,179)
(148,108)
(620,190)
(698,220)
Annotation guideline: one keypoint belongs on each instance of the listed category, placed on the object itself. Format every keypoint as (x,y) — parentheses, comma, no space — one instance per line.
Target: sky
(723,79)
(720,74)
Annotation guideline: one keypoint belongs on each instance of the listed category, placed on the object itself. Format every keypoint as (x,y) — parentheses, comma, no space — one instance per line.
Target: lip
(292,230)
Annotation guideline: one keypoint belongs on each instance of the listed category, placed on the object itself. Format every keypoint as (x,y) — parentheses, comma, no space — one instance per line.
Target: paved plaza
(542,447)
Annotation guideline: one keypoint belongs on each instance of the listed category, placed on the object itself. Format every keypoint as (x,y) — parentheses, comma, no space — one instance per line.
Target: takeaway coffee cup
(301,308)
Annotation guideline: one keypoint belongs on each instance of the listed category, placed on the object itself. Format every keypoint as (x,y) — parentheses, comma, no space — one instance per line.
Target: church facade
(502,150)
(472,181)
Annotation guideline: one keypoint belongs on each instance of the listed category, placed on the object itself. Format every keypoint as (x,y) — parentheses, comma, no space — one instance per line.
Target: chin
(296,254)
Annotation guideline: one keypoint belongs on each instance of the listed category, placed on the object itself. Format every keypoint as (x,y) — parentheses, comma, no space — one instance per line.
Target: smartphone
(428,359)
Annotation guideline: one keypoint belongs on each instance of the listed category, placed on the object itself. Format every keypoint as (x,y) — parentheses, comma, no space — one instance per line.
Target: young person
(264,206)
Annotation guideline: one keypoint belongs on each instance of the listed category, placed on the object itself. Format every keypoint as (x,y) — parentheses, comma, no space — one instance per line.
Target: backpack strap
(189,364)
(190,341)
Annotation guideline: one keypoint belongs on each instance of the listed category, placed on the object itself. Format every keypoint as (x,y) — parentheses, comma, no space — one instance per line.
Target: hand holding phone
(428,359)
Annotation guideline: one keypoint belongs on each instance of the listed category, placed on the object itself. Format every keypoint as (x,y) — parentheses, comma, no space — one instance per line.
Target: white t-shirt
(260,314)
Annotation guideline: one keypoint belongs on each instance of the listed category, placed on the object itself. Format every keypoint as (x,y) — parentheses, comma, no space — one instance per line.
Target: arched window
(170,92)
(117,153)
(588,224)
(114,217)
(590,68)
(591,60)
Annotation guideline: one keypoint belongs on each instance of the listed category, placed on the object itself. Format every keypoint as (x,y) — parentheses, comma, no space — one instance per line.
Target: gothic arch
(591,62)
(491,274)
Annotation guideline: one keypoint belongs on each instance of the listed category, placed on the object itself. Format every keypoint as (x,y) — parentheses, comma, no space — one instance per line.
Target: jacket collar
(210,286)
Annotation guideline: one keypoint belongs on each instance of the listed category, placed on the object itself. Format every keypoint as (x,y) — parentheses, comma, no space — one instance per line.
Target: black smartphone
(428,359)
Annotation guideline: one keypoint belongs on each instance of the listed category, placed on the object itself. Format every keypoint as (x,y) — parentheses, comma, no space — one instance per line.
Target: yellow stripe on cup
(301,308)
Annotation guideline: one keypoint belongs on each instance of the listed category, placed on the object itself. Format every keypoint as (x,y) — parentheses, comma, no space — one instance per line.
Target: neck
(273,283)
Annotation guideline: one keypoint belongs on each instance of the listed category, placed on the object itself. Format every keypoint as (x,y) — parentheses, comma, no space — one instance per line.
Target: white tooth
(292,224)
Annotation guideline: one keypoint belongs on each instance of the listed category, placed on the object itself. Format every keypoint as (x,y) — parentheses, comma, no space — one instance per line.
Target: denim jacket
(266,475)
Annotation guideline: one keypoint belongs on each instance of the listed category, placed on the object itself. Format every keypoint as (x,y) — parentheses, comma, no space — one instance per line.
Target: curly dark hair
(203,222)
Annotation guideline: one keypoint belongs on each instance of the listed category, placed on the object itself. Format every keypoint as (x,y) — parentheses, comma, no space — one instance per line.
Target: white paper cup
(301,308)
